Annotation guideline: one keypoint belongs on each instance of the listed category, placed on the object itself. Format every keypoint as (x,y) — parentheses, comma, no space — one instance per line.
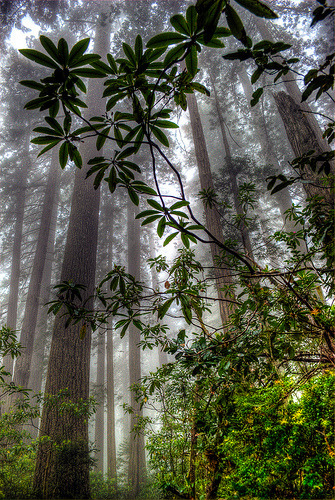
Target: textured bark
(302,139)
(213,224)
(232,178)
(23,363)
(100,398)
(136,473)
(294,91)
(62,464)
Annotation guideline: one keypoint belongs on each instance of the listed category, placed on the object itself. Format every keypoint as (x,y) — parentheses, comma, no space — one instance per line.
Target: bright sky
(18,38)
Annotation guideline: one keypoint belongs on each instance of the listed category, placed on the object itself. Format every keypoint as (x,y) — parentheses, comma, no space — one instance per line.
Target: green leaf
(75,156)
(63,51)
(209,13)
(138,47)
(156,205)
(49,146)
(192,61)
(191,18)
(256,96)
(165,39)
(85,59)
(146,213)
(258,8)
(112,63)
(179,23)
(174,54)
(165,124)
(50,47)
(151,219)
(163,309)
(185,240)
(133,196)
(101,139)
(88,73)
(213,42)
(39,58)
(63,154)
(256,74)
(129,53)
(112,180)
(78,50)
(118,137)
(159,134)
(179,204)
(161,227)
(200,88)
(235,24)
(113,100)
(54,124)
(32,85)
(46,139)
(169,238)
(48,131)
(146,190)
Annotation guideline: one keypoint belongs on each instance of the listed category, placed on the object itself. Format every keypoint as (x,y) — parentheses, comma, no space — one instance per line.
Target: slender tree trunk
(23,363)
(137,471)
(222,274)
(111,431)
(40,341)
(21,188)
(232,178)
(100,395)
(62,464)
(111,437)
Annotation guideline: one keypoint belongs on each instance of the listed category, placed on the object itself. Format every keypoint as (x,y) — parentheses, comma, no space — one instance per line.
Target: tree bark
(100,396)
(294,91)
(213,224)
(136,473)
(62,463)
(302,139)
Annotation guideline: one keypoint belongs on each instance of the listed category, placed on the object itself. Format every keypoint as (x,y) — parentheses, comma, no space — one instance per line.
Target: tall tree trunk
(294,91)
(136,473)
(111,434)
(283,198)
(100,396)
(21,188)
(232,178)
(111,431)
(40,344)
(302,139)
(23,363)
(213,224)
(62,463)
